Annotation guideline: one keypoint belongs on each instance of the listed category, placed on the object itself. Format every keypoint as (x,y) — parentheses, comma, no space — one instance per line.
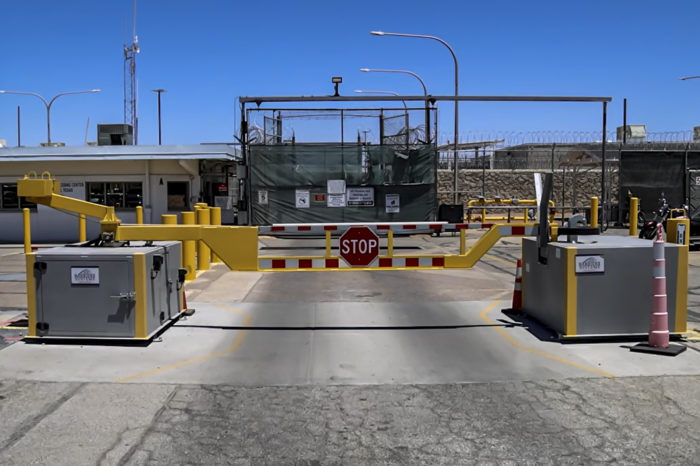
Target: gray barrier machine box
(127,292)
(601,286)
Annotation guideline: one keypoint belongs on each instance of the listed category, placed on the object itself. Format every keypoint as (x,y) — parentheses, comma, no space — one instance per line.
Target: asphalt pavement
(386,367)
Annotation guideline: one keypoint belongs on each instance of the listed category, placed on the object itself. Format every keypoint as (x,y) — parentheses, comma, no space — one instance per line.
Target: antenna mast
(130,88)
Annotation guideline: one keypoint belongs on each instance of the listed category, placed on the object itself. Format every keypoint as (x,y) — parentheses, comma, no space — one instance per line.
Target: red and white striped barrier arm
(317,229)
(279,263)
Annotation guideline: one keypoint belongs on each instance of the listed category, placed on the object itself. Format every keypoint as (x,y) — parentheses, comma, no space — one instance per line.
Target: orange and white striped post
(518,287)
(658,331)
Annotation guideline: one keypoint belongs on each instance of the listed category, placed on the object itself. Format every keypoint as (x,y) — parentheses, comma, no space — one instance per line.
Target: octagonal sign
(359,246)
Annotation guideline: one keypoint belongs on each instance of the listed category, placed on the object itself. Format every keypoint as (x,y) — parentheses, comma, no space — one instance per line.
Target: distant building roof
(77,153)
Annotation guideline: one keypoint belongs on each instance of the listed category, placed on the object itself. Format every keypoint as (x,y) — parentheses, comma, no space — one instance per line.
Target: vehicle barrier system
(237,246)
(523,205)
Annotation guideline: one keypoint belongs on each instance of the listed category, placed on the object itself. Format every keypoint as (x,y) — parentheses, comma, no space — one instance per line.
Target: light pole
(454,57)
(405,108)
(685,78)
(48,104)
(159,91)
(425,93)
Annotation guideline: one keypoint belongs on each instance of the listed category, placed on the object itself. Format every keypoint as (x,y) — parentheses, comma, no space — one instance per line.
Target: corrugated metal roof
(77,153)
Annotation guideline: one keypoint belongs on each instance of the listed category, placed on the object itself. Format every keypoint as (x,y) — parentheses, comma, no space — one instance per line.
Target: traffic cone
(517,289)
(658,329)
(185,310)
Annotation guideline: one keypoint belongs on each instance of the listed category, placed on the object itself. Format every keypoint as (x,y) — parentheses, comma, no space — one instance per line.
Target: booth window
(178,195)
(115,194)
(9,199)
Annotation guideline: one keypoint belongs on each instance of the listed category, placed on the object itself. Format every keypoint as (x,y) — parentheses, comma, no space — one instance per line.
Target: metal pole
(454,57)
(425,93)
(18,128)
(624,121)
(603,197)
(48,104)
(159,127)
(48,121)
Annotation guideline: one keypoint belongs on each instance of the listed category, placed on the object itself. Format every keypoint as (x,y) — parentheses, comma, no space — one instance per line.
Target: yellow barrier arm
(236,246)
(45,191)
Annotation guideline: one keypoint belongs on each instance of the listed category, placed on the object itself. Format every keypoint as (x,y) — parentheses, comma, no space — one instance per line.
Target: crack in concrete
(33,421)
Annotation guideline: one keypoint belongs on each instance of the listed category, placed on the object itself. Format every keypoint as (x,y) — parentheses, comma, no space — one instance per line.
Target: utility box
(119,134)
(601,286)
(105,292)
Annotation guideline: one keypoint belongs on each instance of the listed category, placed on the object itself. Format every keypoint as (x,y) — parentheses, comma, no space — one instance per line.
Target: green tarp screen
(334,183)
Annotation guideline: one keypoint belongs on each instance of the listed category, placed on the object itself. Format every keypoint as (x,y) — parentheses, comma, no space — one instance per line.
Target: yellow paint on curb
(512,341)
(234,346)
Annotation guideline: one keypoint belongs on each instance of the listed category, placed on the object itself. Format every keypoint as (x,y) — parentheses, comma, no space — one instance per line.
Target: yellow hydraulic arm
(45,191)
(236,246)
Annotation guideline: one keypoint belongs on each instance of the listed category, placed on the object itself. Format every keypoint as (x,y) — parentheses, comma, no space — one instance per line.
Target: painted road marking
(492,257)
(234,346)
(553,357)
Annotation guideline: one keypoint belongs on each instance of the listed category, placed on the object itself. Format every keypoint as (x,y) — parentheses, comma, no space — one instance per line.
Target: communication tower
(130,88)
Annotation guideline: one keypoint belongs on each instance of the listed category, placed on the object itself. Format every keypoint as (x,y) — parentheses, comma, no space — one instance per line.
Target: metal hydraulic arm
(45,191)
(236,246)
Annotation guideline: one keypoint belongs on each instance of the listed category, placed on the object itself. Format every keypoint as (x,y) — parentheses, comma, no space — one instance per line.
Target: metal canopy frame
(432,99)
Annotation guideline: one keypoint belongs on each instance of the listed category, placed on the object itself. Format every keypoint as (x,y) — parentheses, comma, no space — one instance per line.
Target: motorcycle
(648,230)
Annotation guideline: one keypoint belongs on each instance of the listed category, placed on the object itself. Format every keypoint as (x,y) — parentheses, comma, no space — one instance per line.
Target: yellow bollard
(189,260)
(139,215)
(634,212)
(328,244)
(390,243)
(594,212)
(167,219)
(203,251)
(27,231)
(215,213)
(553,232)
(82,235)
(462,242)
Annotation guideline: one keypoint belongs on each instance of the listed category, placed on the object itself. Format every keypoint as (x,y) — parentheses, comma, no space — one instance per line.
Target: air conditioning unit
(120,134)
(696,134)
(635,133)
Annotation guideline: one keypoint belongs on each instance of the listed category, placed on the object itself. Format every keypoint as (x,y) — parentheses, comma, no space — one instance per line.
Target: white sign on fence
(360,197)
(335,200)
(303,198)
(393,205)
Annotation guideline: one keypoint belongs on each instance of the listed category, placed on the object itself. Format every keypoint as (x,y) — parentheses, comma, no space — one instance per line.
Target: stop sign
(359,246)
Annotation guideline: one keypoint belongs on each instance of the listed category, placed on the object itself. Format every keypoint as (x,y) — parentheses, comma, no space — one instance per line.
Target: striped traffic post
(658,332)
(658,328)
(518,287)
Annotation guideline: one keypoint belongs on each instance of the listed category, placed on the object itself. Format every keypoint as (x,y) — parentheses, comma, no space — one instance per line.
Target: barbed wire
(514,138)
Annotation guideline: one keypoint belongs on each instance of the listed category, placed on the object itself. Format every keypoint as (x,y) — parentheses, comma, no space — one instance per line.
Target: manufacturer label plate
(85,275)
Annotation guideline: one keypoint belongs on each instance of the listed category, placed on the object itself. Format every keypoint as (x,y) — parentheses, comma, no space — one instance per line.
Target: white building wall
(49,225)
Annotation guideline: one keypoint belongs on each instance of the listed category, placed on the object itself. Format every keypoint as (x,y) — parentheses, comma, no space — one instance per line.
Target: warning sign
(360,197)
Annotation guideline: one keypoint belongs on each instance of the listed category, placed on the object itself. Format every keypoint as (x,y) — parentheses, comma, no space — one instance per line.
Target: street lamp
(404,107)
(685,78)
(454,57)
(159,91)
(425,92)
(48,104)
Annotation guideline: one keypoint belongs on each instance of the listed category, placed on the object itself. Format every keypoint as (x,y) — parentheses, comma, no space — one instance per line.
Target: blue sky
(207,53)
